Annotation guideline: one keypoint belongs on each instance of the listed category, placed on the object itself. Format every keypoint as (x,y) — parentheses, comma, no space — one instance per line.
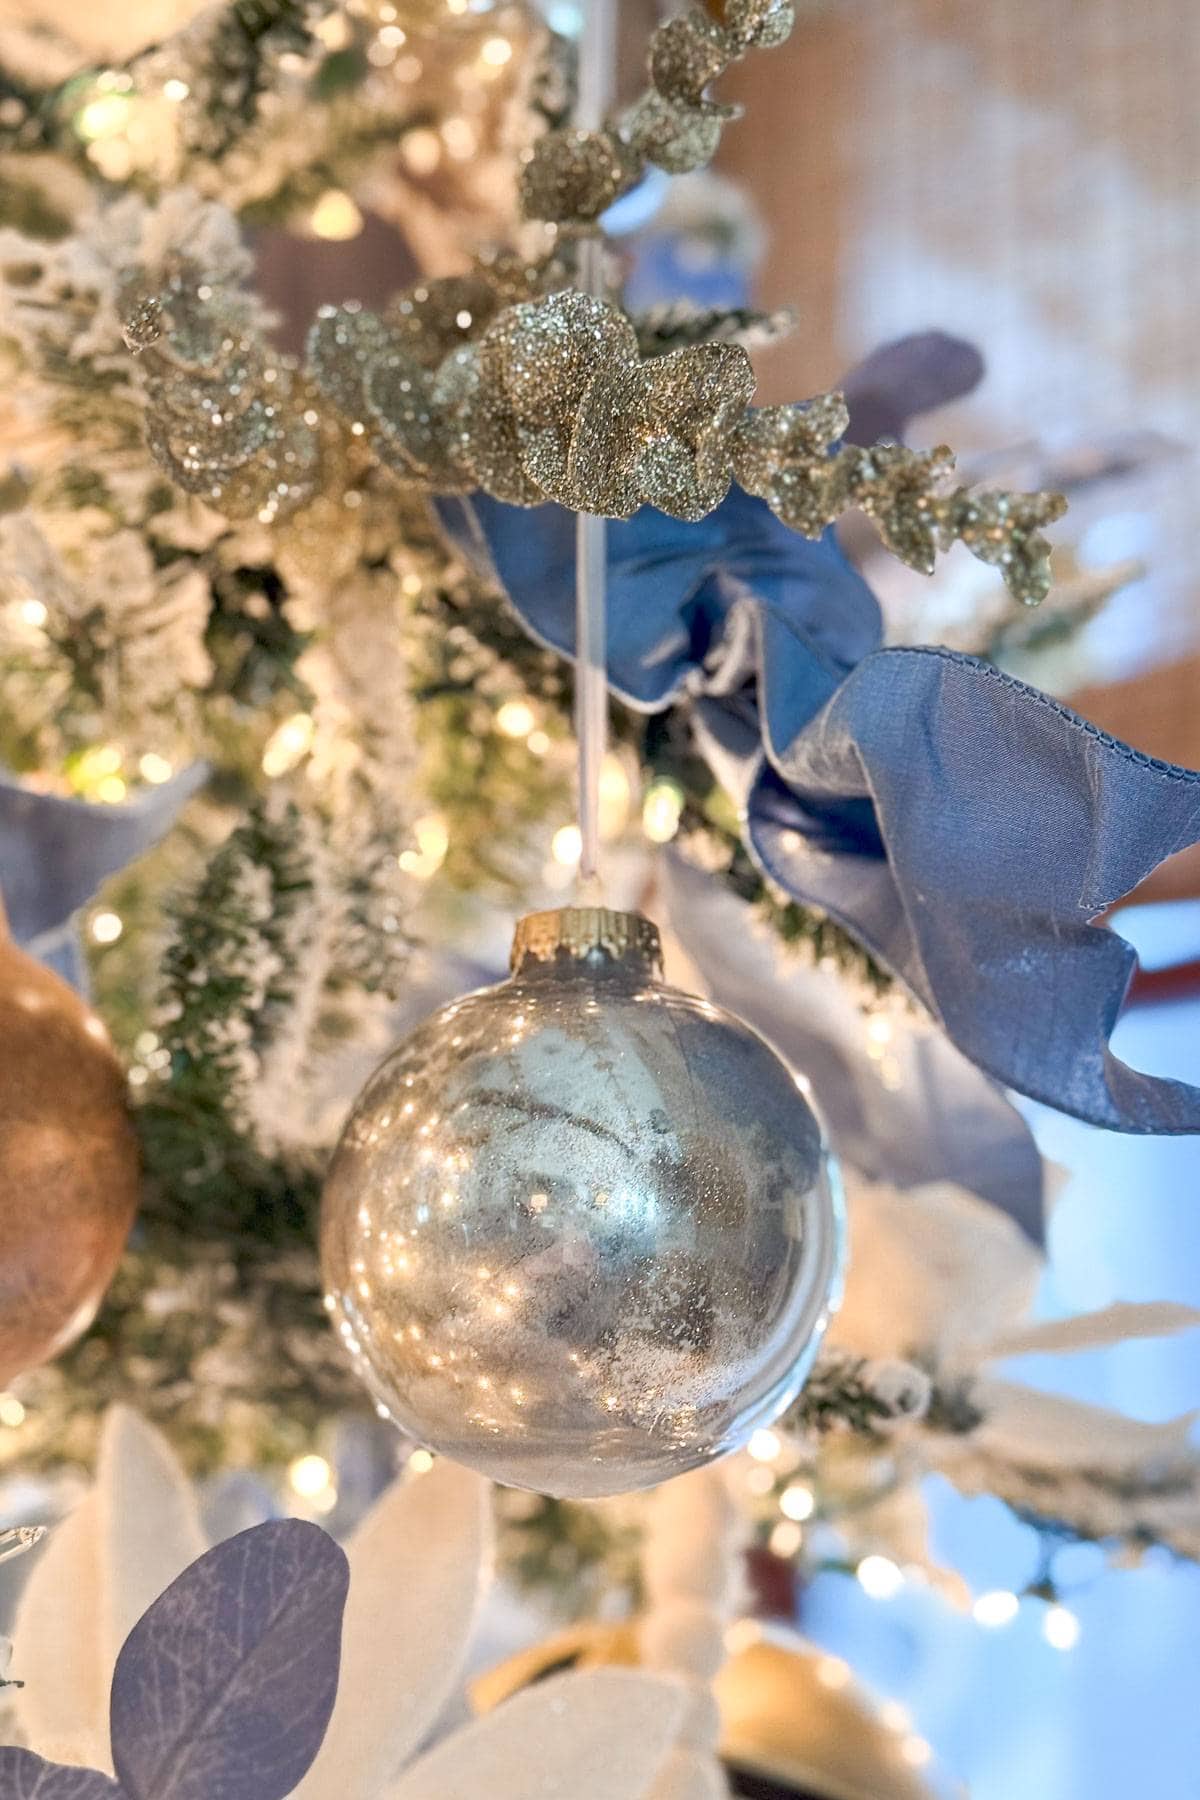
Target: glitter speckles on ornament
(581,1231)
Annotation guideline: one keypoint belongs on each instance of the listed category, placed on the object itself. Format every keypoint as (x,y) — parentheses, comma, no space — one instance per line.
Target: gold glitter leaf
(544,353)
(677,135)
(759,24)
(343,342)
(686,54)
(572,176)
(430,320)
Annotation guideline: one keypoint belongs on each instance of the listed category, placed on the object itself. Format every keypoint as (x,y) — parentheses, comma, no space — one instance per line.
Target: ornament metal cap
(579,933)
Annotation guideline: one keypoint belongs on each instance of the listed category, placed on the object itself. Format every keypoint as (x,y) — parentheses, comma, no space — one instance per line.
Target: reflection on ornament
(69,1175)
(794,1725)
(581,1232)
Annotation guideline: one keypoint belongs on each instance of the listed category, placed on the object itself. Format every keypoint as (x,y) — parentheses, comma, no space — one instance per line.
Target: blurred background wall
(1027,173)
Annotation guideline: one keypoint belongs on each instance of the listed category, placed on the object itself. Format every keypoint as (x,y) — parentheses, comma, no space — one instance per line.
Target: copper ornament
(68,1163)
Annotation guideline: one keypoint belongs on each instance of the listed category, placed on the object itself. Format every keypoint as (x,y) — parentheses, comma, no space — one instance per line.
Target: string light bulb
(662,809)
(765,1446)
(335,217)
(432,842)
(797,1502)
(995,1609)
(516,719)
(1060,1627)
(106,927)
(566,845)
(288,744)
(879,1577)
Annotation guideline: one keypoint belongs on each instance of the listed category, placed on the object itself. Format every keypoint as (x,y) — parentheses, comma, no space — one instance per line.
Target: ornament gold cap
(579,932)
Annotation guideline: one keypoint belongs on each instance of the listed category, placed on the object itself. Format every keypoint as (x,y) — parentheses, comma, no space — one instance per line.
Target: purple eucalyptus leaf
(901,380)
(24,1776)
(224,1688)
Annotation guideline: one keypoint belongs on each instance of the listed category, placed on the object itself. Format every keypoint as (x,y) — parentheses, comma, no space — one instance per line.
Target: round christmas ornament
(69,1163)
(581,1232)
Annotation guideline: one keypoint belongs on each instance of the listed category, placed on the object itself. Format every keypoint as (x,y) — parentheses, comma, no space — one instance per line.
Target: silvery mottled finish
(581,1232)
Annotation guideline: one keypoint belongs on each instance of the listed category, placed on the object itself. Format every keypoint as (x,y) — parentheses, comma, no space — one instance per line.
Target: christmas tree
(291,672)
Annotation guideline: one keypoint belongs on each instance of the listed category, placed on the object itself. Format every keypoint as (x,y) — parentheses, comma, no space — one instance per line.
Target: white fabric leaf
(148,1523)
(418,1564)
(933,1270)
(62,1711)
(1114,1324)
(601,1735)
(136,1530)
(1027,1427)
(691,1775)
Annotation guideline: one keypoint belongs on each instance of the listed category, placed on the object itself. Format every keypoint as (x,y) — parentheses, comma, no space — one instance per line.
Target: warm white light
(309,1476)
(765,1446)
(335,217)
(433,841)
(106,928)
(103,117)
(833,1673)
(879,1577)
(33,612)
(12,1413)
(895,1715)
(516,719)
(176,90)
(333,31)
(496,52)
(662,809)
(797,1502)
(287,744)
(996,1608)
(421,150)
(154,768)
(105,759)
(1060,1627)
(567,845)
(785,1540)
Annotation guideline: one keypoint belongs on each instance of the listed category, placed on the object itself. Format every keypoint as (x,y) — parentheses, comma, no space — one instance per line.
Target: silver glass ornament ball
(582,1232)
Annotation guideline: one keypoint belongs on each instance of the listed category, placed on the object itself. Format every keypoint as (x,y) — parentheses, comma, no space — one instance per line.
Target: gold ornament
(791,1715)
(69,1168)
(581,1232)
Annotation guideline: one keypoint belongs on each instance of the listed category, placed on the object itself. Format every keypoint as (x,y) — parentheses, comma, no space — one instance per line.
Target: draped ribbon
(962,826)
(56,851)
